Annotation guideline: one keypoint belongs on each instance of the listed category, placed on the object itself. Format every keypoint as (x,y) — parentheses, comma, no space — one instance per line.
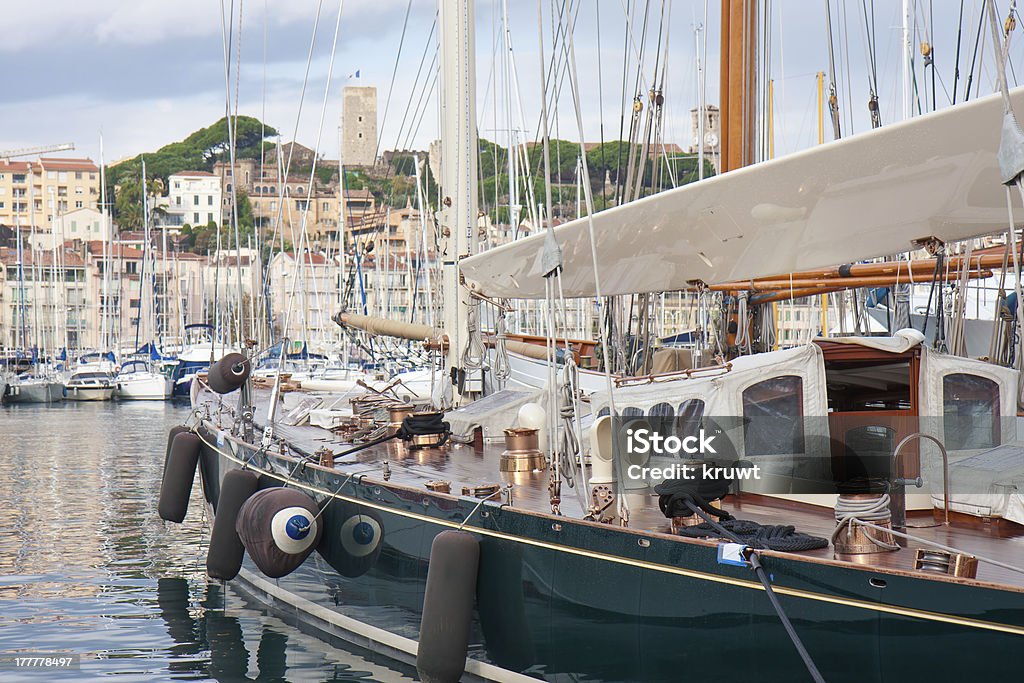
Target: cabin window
(867,452)
(630,411)
(603,412)
(772,416)
(689,417)
(970,412)
(661,410)
(862,386)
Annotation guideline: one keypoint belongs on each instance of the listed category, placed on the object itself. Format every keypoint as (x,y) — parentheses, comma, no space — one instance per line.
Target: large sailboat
(879,540)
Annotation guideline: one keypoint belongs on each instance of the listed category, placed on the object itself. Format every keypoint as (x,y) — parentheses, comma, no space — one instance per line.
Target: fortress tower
(359,125)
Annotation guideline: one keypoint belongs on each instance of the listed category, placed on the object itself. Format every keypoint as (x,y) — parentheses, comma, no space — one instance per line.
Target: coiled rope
(502,368)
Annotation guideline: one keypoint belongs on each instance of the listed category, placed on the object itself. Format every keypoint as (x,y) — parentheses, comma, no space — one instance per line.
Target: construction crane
(7,155)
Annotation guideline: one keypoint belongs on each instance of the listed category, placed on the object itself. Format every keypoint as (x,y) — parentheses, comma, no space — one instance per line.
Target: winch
(522,451)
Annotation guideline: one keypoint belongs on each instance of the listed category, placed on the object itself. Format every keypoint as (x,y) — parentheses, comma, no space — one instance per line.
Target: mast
(32,250)
(907,64)
(702,103)
(459,168)
(738,83)
(107,238)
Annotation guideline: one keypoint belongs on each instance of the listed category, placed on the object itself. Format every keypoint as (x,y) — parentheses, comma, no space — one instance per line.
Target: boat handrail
(689,373)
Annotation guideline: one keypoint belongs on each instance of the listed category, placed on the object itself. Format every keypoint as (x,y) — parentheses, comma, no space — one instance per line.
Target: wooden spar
(825,287)
(430,335)
(389,328)
(843,283)
(770,297)
(921,269)
(737,83)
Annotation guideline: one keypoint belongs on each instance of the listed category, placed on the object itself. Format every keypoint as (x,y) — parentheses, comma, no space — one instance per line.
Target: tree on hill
(128,201)
(197,152)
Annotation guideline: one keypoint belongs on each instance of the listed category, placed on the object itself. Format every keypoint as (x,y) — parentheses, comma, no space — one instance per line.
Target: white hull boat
(79,393)
(89,385)
(138,382)
(149,387)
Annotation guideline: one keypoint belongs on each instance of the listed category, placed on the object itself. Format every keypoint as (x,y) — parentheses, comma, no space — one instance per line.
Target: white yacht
(92,379)
(138,380)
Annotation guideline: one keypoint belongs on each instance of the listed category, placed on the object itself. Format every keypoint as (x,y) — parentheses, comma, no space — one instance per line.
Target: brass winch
(325,456)
(433,432)
(857,539)
(396,414)
(522,451)
(692,520)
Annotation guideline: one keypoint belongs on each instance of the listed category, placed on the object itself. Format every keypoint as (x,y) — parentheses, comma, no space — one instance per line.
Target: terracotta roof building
(37,192)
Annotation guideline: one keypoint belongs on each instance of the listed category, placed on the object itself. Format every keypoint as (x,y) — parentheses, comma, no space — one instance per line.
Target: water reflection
(222,635)
(86,565)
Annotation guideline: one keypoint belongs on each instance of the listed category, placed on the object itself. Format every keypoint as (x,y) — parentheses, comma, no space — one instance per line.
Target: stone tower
(359,125)
(712,133)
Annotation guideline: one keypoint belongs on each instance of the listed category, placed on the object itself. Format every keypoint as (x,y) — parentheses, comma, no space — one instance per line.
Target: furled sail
(865,196)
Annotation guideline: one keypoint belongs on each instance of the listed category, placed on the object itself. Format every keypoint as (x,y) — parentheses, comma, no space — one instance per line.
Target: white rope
(574,422)
(502,368)
(850,512)
(473,355)
(947,548)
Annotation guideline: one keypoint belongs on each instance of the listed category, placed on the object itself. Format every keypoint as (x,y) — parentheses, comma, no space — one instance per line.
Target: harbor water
(88,568)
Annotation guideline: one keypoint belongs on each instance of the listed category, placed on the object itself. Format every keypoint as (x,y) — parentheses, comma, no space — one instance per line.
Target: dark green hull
(561,598)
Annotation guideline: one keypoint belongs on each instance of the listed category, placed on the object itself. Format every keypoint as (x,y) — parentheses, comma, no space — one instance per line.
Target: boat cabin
(836,411)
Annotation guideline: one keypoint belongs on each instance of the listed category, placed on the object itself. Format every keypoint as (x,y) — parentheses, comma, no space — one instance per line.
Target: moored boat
(883,519)
(89,385)
(31,389)
(92,378)
(138,381)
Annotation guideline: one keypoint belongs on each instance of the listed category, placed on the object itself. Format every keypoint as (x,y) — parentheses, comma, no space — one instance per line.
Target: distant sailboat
(92,379)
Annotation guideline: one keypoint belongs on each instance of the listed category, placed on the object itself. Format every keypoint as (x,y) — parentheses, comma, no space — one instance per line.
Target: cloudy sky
(148,72)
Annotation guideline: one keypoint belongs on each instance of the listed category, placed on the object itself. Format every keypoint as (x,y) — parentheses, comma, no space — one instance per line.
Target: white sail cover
(866,196)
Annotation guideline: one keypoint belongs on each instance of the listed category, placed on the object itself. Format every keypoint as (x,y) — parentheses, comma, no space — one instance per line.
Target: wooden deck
(465,465)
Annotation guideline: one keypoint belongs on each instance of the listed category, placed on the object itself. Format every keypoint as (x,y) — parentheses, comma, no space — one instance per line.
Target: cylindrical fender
(229,373)
(448,607)
(224,557)
(179,471)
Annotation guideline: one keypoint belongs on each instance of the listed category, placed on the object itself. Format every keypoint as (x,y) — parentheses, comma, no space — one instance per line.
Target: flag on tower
(355,75)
